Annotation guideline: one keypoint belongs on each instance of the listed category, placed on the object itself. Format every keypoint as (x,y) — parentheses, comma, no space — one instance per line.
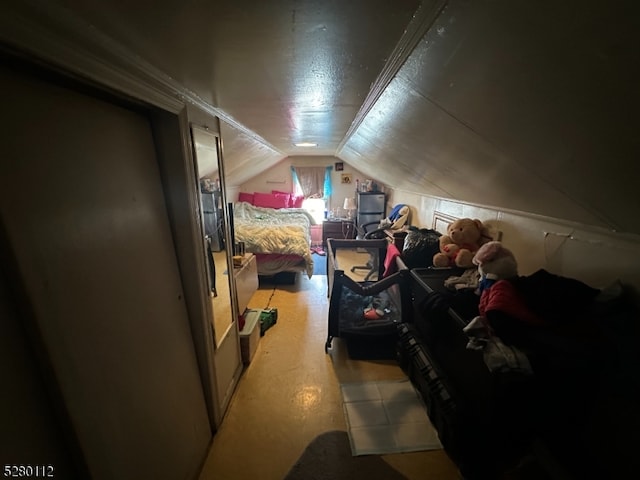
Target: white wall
(585,252)
(279,178)
(588,253)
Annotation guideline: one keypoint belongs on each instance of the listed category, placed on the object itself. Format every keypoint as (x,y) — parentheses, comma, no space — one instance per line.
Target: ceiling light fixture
(306,144)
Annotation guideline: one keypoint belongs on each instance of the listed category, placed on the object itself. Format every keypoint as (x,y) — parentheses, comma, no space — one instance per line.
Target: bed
(279,238)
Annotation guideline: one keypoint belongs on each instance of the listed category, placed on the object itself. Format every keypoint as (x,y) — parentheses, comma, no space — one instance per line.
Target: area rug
(328,457)
(319,264)
(387,417)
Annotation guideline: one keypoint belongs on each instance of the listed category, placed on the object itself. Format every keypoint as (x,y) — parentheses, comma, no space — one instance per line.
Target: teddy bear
(462,240)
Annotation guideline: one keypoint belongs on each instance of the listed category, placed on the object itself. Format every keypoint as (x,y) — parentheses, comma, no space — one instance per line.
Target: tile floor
(290,394)
(387,417)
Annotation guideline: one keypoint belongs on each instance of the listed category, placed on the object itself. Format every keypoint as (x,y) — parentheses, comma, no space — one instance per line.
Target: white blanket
(266,230)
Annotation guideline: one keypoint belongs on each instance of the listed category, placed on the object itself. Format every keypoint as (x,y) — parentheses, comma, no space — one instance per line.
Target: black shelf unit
(212,215)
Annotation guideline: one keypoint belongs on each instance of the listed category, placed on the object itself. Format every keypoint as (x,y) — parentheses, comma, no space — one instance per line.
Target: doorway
(86,222)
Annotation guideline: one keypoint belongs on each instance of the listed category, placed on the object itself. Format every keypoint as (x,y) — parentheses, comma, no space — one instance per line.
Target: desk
(341,228)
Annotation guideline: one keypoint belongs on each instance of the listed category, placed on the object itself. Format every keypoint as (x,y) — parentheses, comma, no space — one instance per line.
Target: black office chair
(398,218)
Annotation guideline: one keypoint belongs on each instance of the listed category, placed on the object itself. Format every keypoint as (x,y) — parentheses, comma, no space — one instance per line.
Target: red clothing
(504,297)
(390,265)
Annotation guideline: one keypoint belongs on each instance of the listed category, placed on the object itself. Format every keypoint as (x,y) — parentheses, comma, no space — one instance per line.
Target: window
(315,184)
(316,207)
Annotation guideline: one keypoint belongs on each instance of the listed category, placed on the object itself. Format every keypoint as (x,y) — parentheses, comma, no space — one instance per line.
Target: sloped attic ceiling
(522,105)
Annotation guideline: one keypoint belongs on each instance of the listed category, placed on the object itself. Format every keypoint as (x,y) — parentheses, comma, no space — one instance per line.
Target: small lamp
(349,206)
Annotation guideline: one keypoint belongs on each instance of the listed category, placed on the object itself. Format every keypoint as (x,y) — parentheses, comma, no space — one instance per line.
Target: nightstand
(340,228)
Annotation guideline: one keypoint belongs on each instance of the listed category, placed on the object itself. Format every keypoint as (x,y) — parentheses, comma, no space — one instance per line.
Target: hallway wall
(85,227)
(591,254)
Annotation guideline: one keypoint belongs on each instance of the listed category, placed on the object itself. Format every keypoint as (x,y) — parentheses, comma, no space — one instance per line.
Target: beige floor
(290,394)
(221,303)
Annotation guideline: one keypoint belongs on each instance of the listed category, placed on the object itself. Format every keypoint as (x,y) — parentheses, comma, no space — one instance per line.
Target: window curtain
(313,182)
(327,183)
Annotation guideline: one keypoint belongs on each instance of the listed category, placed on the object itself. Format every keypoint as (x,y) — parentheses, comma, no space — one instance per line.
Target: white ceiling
(524,105)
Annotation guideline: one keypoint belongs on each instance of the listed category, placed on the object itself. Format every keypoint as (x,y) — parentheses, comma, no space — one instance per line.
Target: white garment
(497,356)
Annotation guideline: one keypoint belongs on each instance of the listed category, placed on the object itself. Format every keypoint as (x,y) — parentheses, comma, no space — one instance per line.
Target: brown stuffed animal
(457,248)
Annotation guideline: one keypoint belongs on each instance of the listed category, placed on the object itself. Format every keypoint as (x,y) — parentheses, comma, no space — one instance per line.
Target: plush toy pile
(497,266)
(495,262)
(463,239)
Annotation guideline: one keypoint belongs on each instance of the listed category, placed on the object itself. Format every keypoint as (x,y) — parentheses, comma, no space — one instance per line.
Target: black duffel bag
(420,245)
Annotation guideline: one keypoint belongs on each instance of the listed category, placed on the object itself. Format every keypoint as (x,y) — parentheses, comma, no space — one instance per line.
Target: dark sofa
(575,417)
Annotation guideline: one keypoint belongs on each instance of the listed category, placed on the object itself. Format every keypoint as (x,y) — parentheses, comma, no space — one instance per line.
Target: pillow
(270,200)
(285,198)
(296,201)
(246,197)
(289,196)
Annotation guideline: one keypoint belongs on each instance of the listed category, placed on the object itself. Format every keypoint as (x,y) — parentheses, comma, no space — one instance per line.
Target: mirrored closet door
(215,230)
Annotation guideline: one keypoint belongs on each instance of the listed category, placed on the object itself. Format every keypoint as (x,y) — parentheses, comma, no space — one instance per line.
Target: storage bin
(250,335)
